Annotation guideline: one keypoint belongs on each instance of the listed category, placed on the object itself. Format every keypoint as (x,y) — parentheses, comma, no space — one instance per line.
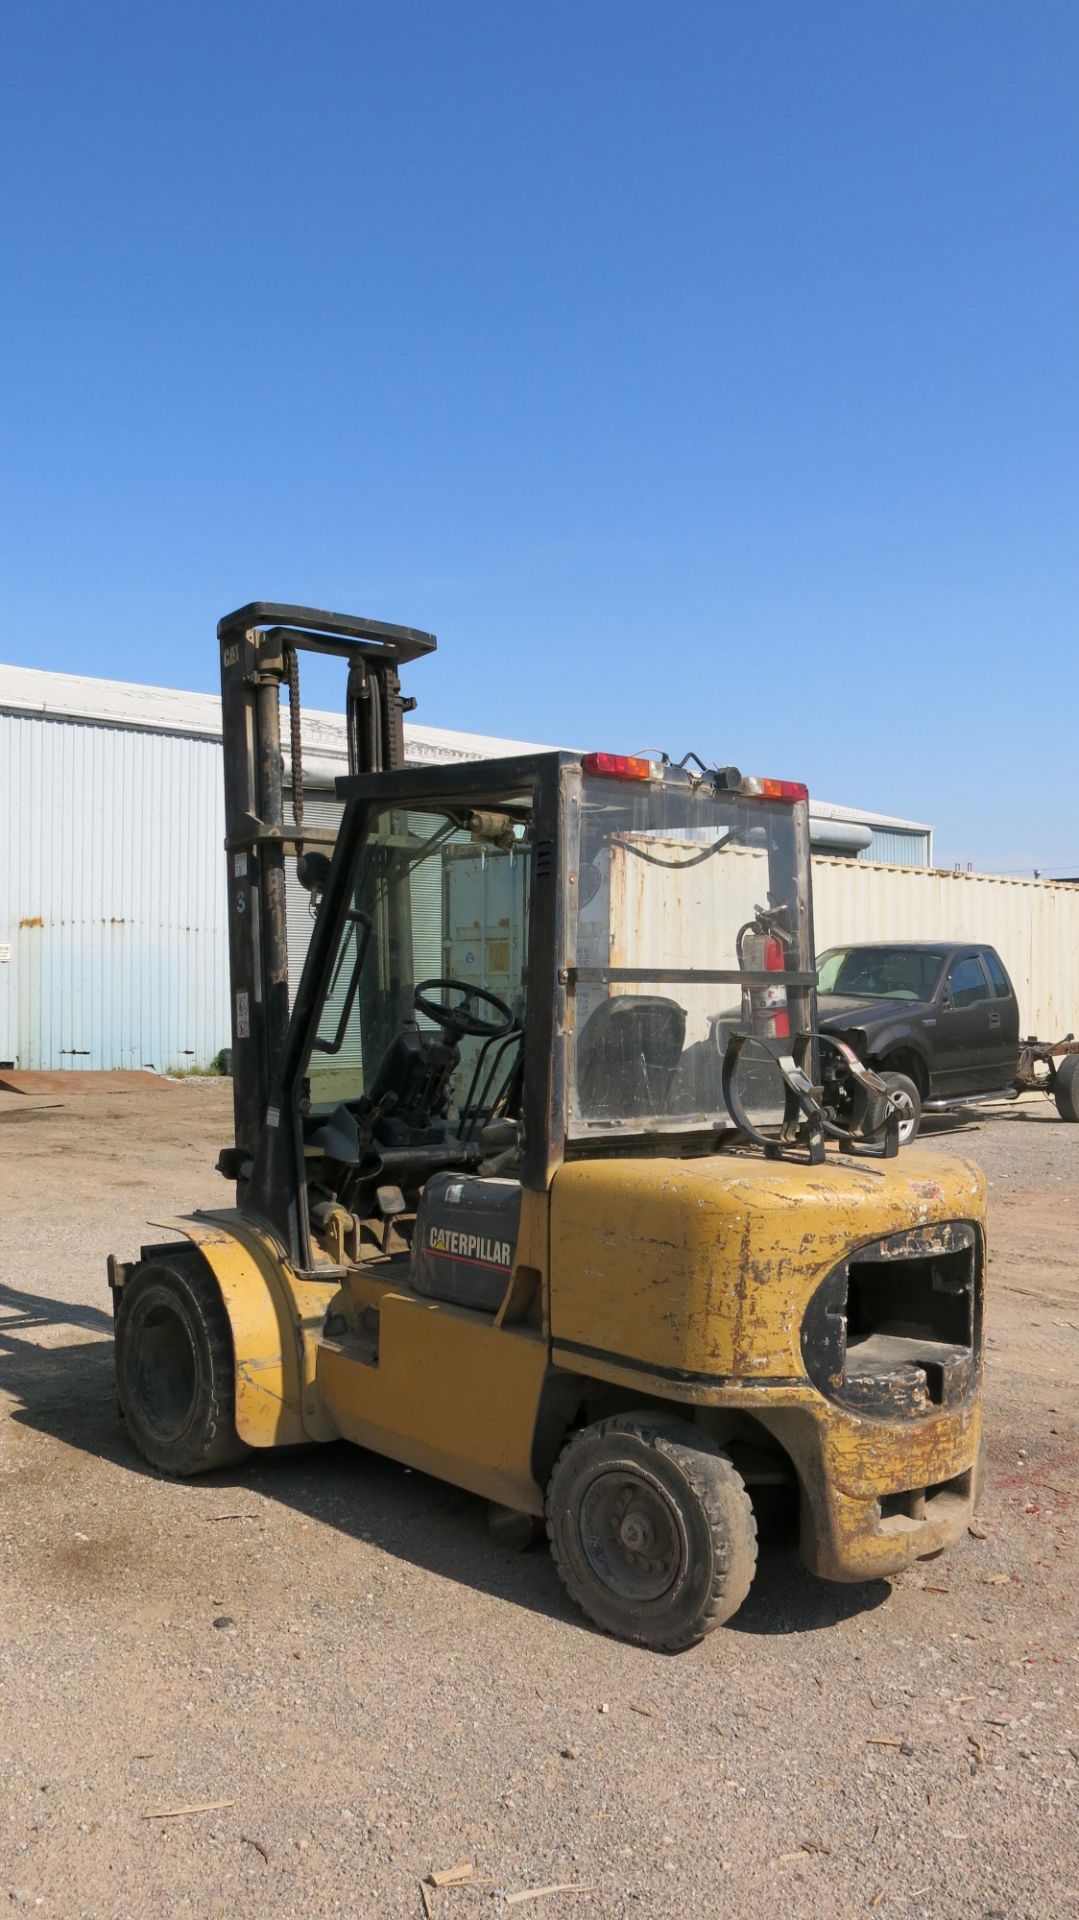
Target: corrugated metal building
(113,942)
(113,946)
(870,836)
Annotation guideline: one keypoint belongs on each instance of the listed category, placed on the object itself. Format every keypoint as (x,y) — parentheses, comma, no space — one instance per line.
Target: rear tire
(175,1370)
(651,1529)
(1066,1088)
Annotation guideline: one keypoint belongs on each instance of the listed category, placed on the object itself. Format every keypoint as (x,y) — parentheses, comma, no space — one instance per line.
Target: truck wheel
(651,1529)
(910,1106)
(175,1372)
(1066,1088)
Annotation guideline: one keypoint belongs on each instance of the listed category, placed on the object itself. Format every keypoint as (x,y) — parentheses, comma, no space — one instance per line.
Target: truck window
(879,973)
(968,982)
(1001,983)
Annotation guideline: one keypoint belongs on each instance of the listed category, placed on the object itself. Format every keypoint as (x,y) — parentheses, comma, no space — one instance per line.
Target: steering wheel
(460,1019)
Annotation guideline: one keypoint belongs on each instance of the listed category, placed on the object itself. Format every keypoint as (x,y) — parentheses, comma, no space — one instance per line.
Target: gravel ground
(336,1649)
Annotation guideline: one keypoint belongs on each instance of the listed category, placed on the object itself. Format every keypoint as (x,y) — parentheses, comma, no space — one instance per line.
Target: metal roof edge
(151,709)
(72,696)
(827,810)
(945,873)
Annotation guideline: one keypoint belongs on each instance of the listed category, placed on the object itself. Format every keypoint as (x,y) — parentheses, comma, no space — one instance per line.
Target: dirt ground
(336,1650)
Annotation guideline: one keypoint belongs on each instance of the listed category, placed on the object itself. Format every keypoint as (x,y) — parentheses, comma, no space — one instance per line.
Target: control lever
(367,1122)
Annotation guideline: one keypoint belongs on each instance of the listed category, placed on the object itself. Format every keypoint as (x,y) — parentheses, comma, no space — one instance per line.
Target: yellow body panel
(682,1280)
(451,1393)
(689,1279)
(704,1267)
(269,1316)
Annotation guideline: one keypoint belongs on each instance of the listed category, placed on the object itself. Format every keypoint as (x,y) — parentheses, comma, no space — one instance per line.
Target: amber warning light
(617,766)
(775,789)
(627,766)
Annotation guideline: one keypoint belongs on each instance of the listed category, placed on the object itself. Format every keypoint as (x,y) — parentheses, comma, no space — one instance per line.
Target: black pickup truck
(939,1022)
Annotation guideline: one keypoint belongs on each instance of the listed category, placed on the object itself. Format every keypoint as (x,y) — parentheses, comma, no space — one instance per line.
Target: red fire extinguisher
(764,1009)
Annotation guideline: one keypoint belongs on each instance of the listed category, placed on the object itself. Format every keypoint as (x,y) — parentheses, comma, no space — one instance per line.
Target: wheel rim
(166,1371)
(630,1536)
(907,1116)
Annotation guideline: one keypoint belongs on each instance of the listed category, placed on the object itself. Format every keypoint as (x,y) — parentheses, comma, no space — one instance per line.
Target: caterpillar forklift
(534,1188)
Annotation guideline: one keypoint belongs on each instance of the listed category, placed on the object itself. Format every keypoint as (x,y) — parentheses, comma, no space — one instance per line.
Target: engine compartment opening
(895,1330)
(930,1298)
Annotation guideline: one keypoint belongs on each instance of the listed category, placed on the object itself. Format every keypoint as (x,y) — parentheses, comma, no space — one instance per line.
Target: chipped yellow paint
(847,1463)
(689,1280)
(451,1394)
(683,1280)
(705,1266)
(270,1313)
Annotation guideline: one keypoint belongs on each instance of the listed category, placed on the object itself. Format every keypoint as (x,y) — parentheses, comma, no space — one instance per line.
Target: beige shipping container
(643,915)
(1033,924)
(671,915)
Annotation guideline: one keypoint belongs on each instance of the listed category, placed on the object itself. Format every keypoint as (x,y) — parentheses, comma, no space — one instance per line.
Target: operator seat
(627,1055)
(413,1080)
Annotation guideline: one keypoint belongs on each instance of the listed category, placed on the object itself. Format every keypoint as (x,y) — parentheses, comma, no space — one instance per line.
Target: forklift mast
(260,648)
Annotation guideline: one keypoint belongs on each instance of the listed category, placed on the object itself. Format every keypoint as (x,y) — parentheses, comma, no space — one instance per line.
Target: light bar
(756,789)
(617,766)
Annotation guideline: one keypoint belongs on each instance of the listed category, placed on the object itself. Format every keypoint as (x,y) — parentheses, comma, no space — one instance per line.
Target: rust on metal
(79,1080)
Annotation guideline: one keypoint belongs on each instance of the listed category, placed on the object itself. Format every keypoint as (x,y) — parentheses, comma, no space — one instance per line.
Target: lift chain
(292,667)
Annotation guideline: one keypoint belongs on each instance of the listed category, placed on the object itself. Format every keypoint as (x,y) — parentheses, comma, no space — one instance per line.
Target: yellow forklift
(535,1190)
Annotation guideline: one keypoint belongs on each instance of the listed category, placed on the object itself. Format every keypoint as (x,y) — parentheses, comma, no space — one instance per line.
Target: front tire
(1066,1087)
(175,1370)
(910,1106)
(651,1529)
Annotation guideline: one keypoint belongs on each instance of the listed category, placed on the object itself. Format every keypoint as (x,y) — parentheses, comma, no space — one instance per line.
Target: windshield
(692,917)
(879,973)
(441,905)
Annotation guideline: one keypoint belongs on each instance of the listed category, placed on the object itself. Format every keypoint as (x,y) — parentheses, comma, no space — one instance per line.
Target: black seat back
(627,1053)
(417,1070)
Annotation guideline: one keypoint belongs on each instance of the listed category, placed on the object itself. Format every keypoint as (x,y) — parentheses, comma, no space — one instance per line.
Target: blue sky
(704,375)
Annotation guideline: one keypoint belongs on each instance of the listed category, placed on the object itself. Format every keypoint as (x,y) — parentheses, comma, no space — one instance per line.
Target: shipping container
(1033,924)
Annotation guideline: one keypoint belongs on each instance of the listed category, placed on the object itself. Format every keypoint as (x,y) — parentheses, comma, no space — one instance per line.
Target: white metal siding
(319,810)
(898,846)
(111,897)
(112,907)
(669,916)
(324,810)
(1033,924)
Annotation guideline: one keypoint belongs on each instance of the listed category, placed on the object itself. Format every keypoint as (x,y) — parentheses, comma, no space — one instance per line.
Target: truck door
(1003,1017)
(968,1049)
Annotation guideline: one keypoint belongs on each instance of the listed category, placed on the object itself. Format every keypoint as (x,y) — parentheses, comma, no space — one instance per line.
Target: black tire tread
(719,1488)
(220,1444)
(1066,1090)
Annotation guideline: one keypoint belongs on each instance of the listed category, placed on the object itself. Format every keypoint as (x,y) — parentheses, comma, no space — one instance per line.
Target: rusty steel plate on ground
(81,1081)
